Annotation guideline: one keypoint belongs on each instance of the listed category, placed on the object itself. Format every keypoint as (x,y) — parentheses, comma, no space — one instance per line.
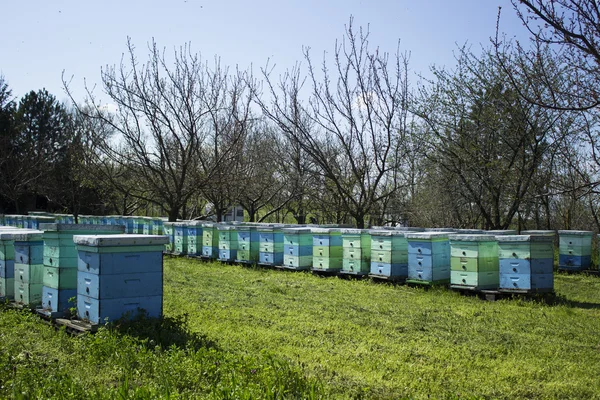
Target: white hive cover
(538,232)
(28,236)
(298,230)
(387,232)
(408,229)
(81,227)
(348,231)
(319,230)
(524,238)
(444,230)
(428,235)
(472,238)
(576,233)
(120,240)
(501,232)
(9,234)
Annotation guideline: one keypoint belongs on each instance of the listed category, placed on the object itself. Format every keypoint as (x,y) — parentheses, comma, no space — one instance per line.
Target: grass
(238,332)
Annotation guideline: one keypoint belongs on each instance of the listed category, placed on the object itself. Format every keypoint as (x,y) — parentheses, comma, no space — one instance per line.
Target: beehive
(194,238)
(474,261)
(428,257)
(37,220)
(248,244)
(270,238)
(210,240)
(539,232)
(575,250)
(119,275)
(469,231)
(499,232)
(29,267)
(60,262)
(526,262)
(7,264)
(157,226)
(356,251)
(327,249)
(297,248)
(389,254)
(228,242)
(169,232)
(180,237)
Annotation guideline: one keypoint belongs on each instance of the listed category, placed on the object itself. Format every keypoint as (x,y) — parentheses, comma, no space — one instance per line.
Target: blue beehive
(60,262)
(575,250)
(428,257)
(248,244)
(180,237)
(29,267)
(526,262)
(270,251)
(118,275)
(297,248)
(389,254)
(194,238)
(327,249)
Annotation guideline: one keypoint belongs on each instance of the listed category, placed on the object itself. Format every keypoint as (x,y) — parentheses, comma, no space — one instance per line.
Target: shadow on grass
(561,300)
(164,331)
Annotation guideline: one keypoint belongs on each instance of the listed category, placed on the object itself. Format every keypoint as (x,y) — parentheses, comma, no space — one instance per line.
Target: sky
(80,37)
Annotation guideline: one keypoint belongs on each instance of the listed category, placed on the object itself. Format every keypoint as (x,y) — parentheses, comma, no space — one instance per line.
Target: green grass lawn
(239,332)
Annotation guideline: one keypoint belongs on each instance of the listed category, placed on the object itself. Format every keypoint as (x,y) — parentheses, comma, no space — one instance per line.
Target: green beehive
(327,249)
(356,251)
(575,250)
(7,264)
(180,237)
(169,231)
(228,242)
(474,261)
(29,268)
(297,248)
(248,244)
(194,238)
(210,240)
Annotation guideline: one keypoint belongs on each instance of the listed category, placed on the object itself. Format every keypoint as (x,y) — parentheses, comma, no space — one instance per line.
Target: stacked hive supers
(29,267)
(389,254)
(526,262)
(194,238)
(297,248)
(228,242)
(270,251)
(575,250)
(7,265)
(60,262)
(168,231)
(248,244)
(428,257)
(180,238)
(356,251)
(474,261)
(327,249)
(210,240)
(118,275)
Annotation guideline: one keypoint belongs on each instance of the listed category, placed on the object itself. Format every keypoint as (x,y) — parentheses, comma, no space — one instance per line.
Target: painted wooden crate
(228,242)
(193,238)
(210,240)
(157,226)
(474,261)
(7,263)
(117,275)
(356,251)
(248,244)
(428,257)
(60,261)
(270,238)
(297,248)
(526,262)
(327,249)
(29,267)
(389,254)
(180,237)
(575,250)
(169,232)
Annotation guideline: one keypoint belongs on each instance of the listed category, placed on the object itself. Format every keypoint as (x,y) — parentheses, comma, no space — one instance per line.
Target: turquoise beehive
(575,250)
(526,262)
(474,261)
(29,267)
(297,248)
(327,249)
(356,251)
(428,257)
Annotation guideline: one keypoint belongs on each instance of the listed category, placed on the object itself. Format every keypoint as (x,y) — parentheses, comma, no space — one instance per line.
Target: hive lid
(303,229)
(470,231)
(353,231)
(28,236)
(428,235)
(576,233)
(524,238)
(81,228)
(9,234)
(498,232)
(538,232)
(387,232)
(444,230)
(119,240)
(227,227)
(408,229)
(472,238)
(167,223)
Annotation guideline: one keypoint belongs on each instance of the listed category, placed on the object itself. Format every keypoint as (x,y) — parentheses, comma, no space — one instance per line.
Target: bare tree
(352,123)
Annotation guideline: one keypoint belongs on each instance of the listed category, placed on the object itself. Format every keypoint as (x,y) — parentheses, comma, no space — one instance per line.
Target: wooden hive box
(61,260)
(180,231)
(474,261)
(526,262)
(248,244)
(356,251)
(118,275)
(327,249)
(389,254)
(193,238)
(575,250)
(228,242)
(429,257)
(29,267)
(210,240)
(297,241)
(270,240)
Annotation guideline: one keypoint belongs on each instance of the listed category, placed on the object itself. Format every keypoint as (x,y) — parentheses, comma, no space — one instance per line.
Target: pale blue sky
(41,38)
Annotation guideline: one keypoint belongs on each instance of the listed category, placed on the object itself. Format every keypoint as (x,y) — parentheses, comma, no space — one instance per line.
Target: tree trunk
(173,214)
